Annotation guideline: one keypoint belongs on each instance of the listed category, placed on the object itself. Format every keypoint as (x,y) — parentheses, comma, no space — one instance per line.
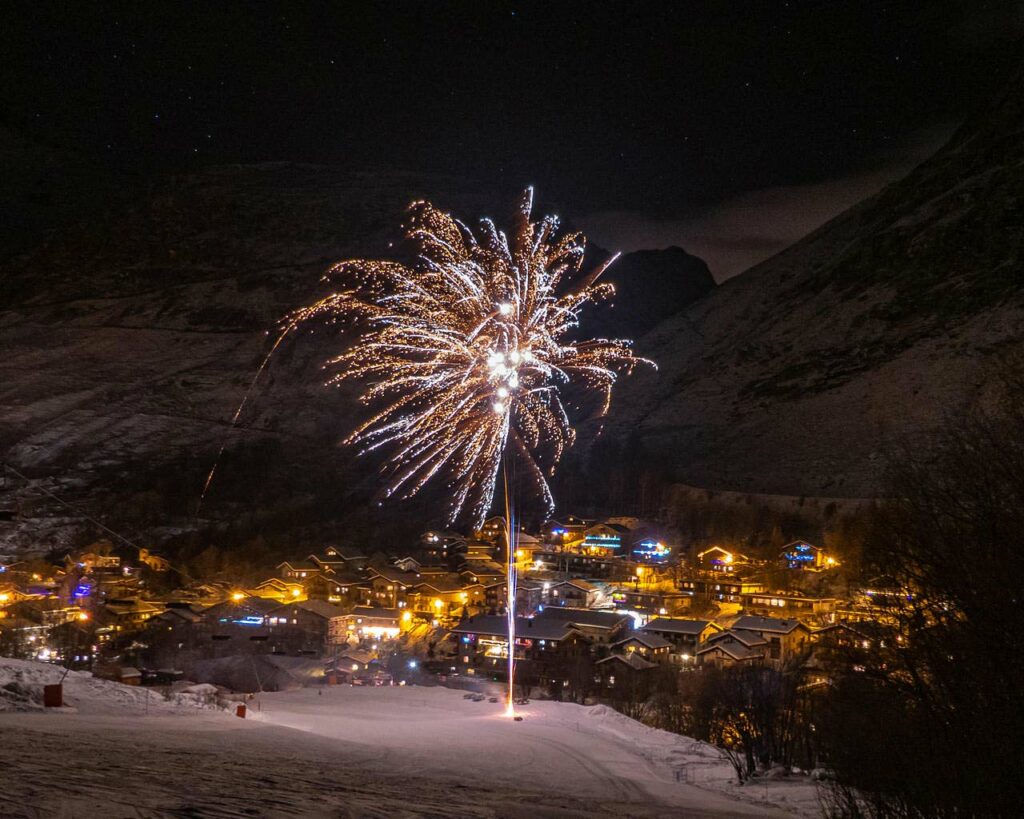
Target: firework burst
(466,352)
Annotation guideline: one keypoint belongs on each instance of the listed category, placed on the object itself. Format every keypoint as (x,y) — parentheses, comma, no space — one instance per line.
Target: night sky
(727,128)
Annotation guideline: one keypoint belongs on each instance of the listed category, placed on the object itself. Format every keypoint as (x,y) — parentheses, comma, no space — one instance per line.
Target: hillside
(130,340)
(795,376)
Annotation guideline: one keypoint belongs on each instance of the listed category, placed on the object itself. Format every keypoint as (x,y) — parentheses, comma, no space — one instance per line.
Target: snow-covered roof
(634,661)
(372,611)
(671,625)
(185,614)
(300,565)
(579,583)
(796,543)
(395,575)
(445,582)
(737,651)
(747,638)
(343,552)
(484,568)
(321,608)
(496,625)
(775,625)
(353,655)
(648,640)
(585,617)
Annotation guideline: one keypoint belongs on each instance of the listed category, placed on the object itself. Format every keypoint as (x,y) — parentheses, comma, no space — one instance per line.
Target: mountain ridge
(873,327)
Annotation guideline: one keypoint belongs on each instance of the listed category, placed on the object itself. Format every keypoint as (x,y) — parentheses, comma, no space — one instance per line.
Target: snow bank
(602,752)
(697,763)
(22,681)
(264,672)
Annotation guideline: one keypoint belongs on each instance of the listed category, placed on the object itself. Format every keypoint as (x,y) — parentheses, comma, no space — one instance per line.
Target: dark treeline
(933,725)
(918,714)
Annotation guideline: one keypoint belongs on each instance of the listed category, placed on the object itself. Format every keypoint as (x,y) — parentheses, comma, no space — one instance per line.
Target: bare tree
(926,723)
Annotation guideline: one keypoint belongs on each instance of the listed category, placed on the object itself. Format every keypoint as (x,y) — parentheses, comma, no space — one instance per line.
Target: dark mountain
(130,340)
(795,376)
(650,285)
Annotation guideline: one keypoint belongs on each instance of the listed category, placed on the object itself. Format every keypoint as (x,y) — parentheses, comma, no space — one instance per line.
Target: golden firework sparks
(468,350)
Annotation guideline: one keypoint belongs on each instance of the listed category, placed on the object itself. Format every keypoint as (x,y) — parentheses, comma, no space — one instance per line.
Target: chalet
(527,546)
(573,563)
(445,595)
(126,614)
(650,550)
(340,559)
(206,593)
(530,597)
(244,611)
(440,547)
(350,661)
(576,593)
(877,600)
(387,587)
(805,556)
(483,571)
(275,588)
(407,564)
(733,647)
(482,641)
(479,551)
(496,595)
(650,646)
(153,562)
(792,605)
(686,636)
(604,539)
(12,593)
(98,558)
(493,529)
(124,674)
(657,602)
(492,577)
(177,615)
(720,587)
(717,559)
(21,637)
(617,670)
(565,531)
(307,626)
(598,627)
(786,638)
(302,570)
(44,611)
(371,623)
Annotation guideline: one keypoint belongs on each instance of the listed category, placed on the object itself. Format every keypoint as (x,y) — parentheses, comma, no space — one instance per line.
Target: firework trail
(465,353)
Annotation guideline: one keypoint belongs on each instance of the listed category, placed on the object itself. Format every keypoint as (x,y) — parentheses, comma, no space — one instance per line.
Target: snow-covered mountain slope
(795,376)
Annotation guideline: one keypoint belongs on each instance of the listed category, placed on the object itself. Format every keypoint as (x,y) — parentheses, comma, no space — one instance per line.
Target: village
(604,608)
